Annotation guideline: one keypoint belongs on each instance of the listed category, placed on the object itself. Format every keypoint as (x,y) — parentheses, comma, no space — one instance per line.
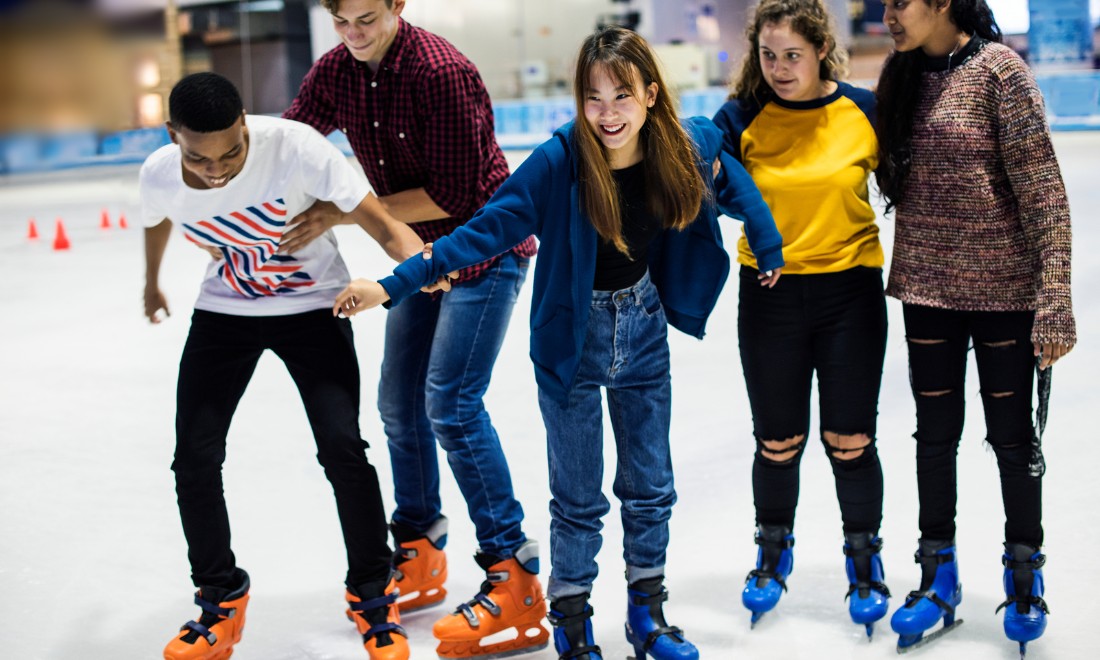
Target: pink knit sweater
(984,223)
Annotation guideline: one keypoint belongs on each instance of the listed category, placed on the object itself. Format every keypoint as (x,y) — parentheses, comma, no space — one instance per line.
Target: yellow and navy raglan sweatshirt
(811,161)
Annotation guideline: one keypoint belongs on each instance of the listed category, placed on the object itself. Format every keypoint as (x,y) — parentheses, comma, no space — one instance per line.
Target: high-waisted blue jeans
(626,353)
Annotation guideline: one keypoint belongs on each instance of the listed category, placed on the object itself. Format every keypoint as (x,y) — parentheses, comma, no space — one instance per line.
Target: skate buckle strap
(497,576)
(466,609)
(877,586)
(785,544)
(656,633)
(1013,564)
(639,598)
(938,558)
(373,603)
(206,633)
(1030,600)
(915,596)
(207,606)
(387,627)
(558,620)
(873,549)
(771,575)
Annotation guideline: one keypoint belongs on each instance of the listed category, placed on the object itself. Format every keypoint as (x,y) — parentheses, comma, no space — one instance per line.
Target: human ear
(650,94)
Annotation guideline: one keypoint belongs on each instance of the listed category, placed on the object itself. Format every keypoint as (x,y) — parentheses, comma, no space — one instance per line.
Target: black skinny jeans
(938,341)
(833,324)
(218,360)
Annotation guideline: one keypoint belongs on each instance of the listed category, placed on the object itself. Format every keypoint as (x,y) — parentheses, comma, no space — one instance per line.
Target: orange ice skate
(218,628)
(505,617)
(373,608)
(421,565)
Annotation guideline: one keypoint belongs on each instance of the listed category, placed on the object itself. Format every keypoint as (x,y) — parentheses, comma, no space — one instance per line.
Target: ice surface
(92,558)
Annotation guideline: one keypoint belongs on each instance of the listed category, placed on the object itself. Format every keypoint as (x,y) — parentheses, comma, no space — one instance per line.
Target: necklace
(958,45)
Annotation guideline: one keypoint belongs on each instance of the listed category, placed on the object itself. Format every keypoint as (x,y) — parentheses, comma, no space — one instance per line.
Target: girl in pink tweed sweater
(982,258)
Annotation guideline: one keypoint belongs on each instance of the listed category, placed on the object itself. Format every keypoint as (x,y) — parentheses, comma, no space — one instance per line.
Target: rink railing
(1072,99)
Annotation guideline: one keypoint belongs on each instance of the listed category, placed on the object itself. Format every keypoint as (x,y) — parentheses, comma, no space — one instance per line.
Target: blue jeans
(626,352)
(438,359)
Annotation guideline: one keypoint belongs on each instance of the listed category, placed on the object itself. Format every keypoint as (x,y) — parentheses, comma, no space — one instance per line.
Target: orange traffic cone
(122,221)
(104,220)
(61,241)
(32,230)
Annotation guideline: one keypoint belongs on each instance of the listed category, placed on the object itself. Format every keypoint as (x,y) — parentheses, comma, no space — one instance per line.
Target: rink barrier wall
(1072,100)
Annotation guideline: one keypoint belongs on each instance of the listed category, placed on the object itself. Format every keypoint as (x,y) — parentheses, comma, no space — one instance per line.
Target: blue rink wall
(1072,99)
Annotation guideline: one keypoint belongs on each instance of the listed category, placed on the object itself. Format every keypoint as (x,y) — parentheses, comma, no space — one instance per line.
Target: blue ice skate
(572,621)
(646,628)
(1025,610)
(774,562)
(939,594)
(867,594)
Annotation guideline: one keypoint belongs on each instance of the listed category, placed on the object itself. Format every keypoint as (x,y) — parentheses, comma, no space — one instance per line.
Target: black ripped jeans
(832,325)
(938,341)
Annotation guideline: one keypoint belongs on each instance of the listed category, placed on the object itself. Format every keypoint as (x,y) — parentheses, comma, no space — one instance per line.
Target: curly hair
(898,93)
(809,19)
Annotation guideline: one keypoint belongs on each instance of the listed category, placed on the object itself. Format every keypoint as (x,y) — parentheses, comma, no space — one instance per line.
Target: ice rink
(92,557)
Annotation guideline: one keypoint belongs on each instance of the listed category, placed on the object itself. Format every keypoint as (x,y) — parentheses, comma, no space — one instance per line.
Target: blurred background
(86,82)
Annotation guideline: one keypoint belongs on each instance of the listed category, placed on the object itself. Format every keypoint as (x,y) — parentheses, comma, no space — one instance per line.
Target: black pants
(1006,372)
(218,360)
(834,325)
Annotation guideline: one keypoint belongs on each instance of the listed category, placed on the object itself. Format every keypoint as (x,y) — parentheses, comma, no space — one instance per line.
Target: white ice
(93,562)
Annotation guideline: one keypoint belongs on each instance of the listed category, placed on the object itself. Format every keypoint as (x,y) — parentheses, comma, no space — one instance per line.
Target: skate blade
(523,642)
(1023,650)
(870,632)
(930,637)
(755,619)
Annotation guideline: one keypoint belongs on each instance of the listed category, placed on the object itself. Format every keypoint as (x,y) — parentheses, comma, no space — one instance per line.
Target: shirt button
(344,130)
(374,84)
(381,162)
(401,135)
(376,124)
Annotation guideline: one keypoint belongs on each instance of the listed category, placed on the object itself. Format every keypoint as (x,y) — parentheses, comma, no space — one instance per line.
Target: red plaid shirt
(422,120)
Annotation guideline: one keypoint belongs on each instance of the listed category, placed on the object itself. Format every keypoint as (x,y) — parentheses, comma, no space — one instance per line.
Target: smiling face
(367,27)
(211,160)
(790,64)
(616,111)
(921,24)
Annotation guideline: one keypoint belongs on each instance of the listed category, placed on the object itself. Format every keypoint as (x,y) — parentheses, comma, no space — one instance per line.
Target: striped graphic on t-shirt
(248,240)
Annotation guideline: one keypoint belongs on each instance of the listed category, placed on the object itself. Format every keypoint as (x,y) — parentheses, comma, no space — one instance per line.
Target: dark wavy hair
(898,93)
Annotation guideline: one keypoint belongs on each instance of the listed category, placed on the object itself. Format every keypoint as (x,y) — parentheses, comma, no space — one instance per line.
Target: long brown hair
(674,186)
(810,20)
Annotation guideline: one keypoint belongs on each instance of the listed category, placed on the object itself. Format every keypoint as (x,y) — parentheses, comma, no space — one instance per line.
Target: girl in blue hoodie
(624,201)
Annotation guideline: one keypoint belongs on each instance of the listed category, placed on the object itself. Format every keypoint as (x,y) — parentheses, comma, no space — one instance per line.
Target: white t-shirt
(288,166)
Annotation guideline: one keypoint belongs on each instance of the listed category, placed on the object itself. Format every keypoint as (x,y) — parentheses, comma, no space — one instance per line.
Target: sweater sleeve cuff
(770,258)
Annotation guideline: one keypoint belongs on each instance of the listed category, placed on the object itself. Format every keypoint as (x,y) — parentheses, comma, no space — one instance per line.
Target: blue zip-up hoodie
(689,267)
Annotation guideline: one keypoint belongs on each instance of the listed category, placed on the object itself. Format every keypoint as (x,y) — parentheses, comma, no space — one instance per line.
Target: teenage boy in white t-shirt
(230,182)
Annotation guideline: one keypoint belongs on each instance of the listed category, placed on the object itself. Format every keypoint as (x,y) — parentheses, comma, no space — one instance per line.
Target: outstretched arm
(156,240)
(396,238)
